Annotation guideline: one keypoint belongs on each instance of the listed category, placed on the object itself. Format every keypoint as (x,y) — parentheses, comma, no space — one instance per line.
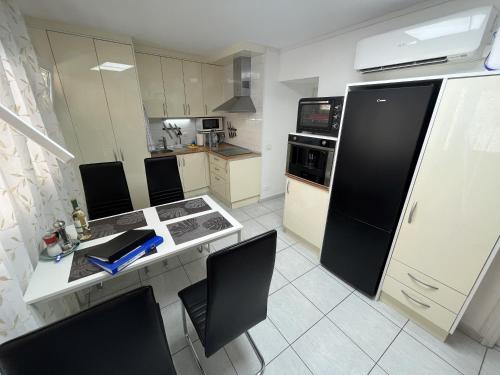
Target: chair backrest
(106,189)
(124,335)
(164,181)
(238,281)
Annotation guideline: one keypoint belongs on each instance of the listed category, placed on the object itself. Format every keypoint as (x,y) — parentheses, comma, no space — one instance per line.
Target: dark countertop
(188,150)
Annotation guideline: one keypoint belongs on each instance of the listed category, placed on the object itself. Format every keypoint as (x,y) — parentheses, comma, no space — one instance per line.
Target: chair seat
(194,298)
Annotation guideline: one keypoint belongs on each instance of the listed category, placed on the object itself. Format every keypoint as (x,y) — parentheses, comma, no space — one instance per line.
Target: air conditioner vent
(411,64)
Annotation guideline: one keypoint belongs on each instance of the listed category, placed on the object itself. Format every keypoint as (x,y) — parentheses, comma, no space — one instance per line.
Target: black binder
(121,245)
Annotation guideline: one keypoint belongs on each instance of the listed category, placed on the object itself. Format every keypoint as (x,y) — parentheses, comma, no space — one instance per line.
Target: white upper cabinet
(173,85)
(213,86)
(127,117)
(149,69)
(452,221)
(193,88)
(75,58)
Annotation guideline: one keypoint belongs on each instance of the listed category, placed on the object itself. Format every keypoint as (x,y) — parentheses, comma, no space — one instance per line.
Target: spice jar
(52,242)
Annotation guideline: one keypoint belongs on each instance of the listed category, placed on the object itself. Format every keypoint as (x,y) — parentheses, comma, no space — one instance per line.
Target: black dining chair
(233,297)
(164,181)
(106,190)
(124,335)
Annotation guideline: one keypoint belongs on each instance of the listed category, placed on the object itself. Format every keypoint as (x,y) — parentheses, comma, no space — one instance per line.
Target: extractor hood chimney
(241,101)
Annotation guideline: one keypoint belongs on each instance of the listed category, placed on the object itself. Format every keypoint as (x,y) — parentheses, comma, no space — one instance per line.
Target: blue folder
(129,258)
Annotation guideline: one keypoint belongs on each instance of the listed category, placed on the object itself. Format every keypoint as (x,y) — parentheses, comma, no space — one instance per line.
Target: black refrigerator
(382,133)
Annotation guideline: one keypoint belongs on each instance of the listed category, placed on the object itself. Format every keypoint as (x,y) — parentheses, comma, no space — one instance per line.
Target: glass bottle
(80,221)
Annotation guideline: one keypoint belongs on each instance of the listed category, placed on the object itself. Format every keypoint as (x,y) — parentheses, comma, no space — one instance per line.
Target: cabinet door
(193,88)
(213,86)
(75,58)
(452,221)
(194,171)
(124,102)
(174,87)
(305,211)
(151,83)
(244,178)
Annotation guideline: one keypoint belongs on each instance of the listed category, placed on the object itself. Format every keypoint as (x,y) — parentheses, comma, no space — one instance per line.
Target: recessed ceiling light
(115,67)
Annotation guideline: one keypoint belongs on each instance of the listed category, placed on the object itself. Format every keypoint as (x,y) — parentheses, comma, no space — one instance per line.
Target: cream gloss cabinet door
(452,220)
(213,86)
(151,82)
(174,87)
(194,169)
(76,59)
(305,211)
(124,102)
(193,88)
(244,178)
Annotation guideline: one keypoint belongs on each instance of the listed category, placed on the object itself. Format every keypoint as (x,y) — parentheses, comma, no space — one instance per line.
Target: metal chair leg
(188,339)
(257,352)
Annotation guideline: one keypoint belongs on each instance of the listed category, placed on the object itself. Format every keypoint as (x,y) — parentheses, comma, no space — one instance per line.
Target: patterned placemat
(182,208)
(117,224)
(81,267)
(200,226)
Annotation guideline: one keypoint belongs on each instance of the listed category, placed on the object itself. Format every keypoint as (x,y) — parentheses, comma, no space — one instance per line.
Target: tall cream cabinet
(305,211)
(100,111)
(179,88)
(451,224)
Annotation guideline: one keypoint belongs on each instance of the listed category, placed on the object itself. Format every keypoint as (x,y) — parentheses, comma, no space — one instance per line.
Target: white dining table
(50,279)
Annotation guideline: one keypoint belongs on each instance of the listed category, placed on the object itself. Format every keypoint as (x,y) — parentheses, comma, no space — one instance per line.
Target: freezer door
(381,137)
(354,251)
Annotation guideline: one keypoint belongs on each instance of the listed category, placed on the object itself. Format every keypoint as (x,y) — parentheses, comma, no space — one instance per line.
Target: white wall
(331,61)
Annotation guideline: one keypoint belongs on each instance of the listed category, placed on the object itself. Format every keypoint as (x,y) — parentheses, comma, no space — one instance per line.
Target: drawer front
(428,287)
(423,306)
(218,162)
(219,171)
(219,186)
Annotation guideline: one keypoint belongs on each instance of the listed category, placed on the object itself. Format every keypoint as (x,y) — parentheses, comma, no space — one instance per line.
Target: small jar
(52,242)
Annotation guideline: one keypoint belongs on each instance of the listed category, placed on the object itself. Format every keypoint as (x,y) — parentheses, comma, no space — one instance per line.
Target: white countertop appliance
(208,124)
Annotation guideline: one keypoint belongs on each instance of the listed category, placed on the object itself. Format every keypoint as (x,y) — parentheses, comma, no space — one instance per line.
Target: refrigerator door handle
(288,187)
(412,212)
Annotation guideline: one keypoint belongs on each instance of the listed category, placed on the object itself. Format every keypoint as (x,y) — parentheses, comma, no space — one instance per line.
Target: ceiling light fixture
(112,66)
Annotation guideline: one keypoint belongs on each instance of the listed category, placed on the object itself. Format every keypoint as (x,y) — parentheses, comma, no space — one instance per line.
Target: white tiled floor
(316,323)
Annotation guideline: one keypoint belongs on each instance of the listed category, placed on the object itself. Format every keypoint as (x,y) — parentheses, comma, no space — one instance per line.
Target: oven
(311,157)
(320,115)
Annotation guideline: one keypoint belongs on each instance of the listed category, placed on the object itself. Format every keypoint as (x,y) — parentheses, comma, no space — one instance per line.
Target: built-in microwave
(320,115)
(208,124)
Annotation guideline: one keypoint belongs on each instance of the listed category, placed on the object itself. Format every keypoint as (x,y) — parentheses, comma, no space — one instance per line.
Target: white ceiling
(204,26)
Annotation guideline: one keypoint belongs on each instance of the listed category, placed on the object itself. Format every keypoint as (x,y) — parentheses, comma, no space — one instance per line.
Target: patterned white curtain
(35,188)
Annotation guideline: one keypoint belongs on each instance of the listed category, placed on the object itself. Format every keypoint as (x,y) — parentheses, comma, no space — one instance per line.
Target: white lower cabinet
(306,208)
(236,182)
(193,170)
(452,221)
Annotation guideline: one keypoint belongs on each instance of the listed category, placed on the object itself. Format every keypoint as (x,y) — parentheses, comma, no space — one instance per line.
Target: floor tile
(277,282)
(158,268)
(291,264)
(188,256)
(459,350)
(268,339)
(491,365)
(172,320)
(408,356)
(242,356)
(217,364)
(224,242)
(251,228)
(256,210)
(338,279)
(321,289)
(386,310)
(291,312)
(369,329)
(326,350)
(239,215)
(274,204)
(280,245)
(307,250)
(196,270)
(287,236)
(114,285)
(115,294)
(287,363)
(270,221)
(167,285)
(377,371)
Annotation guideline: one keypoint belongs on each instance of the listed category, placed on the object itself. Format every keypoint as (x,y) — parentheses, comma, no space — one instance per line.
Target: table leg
(239,235)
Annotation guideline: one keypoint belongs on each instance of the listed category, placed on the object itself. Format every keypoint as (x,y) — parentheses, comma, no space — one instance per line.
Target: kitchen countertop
(186,150)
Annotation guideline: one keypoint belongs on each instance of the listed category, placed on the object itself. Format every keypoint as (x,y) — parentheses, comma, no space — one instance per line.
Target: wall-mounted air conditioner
(457,37)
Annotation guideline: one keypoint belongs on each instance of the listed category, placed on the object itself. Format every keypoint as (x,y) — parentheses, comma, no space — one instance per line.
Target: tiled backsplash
(187,127)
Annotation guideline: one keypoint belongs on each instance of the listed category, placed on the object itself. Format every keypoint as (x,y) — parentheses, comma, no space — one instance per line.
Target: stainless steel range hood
(241,101)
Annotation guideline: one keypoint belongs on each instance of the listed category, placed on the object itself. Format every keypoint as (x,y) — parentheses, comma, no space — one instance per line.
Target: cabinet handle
(217,169)
(288,187)
(184,106)
(121,153)
(183,162)
(114,154)
(412,211)
(206,109)
(165,106)
(421,282)
(415,300)
(217,178)
(189,110)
